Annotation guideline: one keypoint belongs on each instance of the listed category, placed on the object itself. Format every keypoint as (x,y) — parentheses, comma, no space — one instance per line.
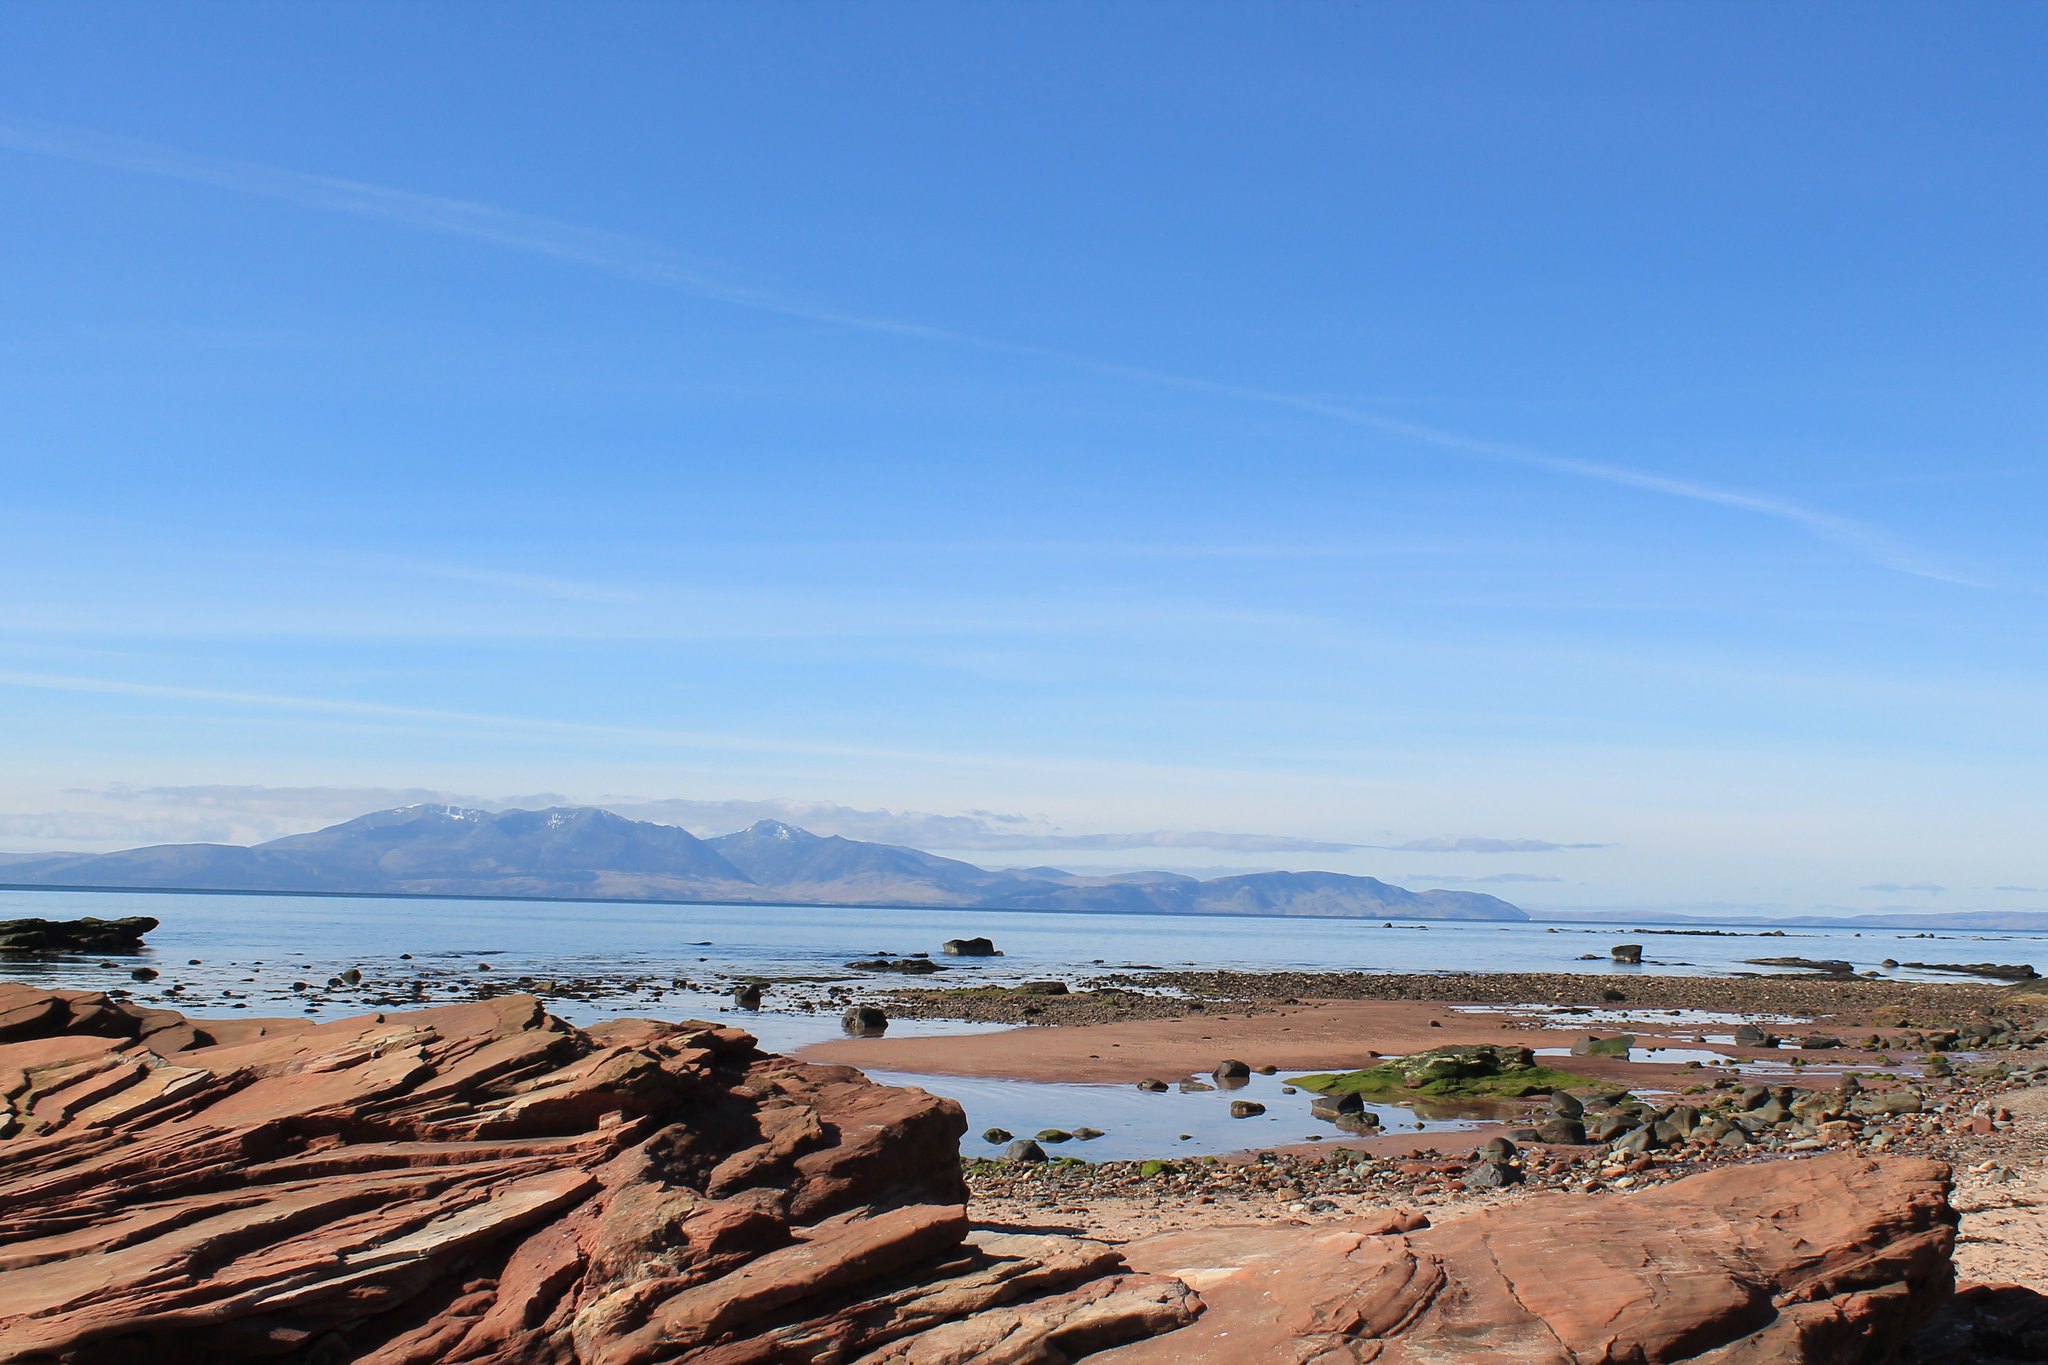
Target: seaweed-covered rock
(1475,1071)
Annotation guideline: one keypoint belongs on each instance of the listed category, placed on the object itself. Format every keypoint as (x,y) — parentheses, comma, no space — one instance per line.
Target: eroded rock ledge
(485,1183)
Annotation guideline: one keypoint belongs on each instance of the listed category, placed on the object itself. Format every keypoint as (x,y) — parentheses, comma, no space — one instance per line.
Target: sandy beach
(1321,1036)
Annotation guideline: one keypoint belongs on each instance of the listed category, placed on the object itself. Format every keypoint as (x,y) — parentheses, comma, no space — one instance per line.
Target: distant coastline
(780,902)
(1959,922)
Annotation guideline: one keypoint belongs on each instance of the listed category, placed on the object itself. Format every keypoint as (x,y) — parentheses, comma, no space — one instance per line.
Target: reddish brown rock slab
(485,1183)
(1837,1258)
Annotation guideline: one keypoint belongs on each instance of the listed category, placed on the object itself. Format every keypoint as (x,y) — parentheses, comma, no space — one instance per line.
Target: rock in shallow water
(864,1021)
(88,935)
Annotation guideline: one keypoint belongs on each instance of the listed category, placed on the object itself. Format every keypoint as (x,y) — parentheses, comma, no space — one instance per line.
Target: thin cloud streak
(634,259)
(51,682)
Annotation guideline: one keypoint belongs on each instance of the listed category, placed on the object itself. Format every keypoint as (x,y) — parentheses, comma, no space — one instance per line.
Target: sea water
(245,952)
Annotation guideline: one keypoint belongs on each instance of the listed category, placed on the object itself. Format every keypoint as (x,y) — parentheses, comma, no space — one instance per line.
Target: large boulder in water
(88,935)
(864,1020)
(969,947)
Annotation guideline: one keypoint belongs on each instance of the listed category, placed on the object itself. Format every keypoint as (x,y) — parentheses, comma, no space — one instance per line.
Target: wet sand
(1336,1035)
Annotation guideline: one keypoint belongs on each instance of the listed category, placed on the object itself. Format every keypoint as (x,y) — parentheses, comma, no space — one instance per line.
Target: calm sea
(313,937)
(246,952)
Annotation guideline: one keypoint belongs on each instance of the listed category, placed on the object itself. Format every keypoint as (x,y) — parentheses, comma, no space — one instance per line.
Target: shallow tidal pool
(1136,1124)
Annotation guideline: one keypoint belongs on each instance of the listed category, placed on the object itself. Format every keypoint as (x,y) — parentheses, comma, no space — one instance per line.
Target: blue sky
(1363,425)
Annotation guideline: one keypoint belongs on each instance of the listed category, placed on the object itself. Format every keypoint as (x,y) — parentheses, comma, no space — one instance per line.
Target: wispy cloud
(644,262)
(977,831)
(709,741)
(254,812)
(1496,879)
(528,584)
(613,253)
(1894,888)
(1472,844)
(50,682)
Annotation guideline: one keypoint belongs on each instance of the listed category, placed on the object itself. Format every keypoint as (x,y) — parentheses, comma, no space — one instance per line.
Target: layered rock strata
(485,1183)
(1834,1259)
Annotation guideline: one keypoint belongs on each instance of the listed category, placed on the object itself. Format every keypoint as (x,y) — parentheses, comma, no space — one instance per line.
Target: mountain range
(584,852)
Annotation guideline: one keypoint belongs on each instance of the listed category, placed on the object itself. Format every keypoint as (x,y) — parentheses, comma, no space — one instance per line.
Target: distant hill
(581,852)
(1982,921)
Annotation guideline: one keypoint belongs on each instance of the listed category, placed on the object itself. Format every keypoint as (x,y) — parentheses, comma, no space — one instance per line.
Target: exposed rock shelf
(485,1183)
(1827,1260)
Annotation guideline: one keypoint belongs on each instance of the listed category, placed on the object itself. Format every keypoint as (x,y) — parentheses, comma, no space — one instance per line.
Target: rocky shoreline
(1118,996)
(485,1183)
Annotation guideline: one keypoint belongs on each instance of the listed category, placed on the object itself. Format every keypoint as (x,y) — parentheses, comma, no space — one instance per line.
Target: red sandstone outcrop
(485,1183)
(1832,1259)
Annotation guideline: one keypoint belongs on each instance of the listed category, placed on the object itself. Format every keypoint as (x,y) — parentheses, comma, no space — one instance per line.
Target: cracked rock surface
(485,1183)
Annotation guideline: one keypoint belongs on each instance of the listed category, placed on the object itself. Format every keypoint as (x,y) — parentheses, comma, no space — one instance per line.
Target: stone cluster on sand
(485,1183)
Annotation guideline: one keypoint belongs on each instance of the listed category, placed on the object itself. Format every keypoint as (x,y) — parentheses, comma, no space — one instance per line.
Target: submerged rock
(908,966)
(1830,966)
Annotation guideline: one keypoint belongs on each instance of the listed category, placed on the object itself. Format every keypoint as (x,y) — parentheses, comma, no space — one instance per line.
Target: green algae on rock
(1478,1071)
